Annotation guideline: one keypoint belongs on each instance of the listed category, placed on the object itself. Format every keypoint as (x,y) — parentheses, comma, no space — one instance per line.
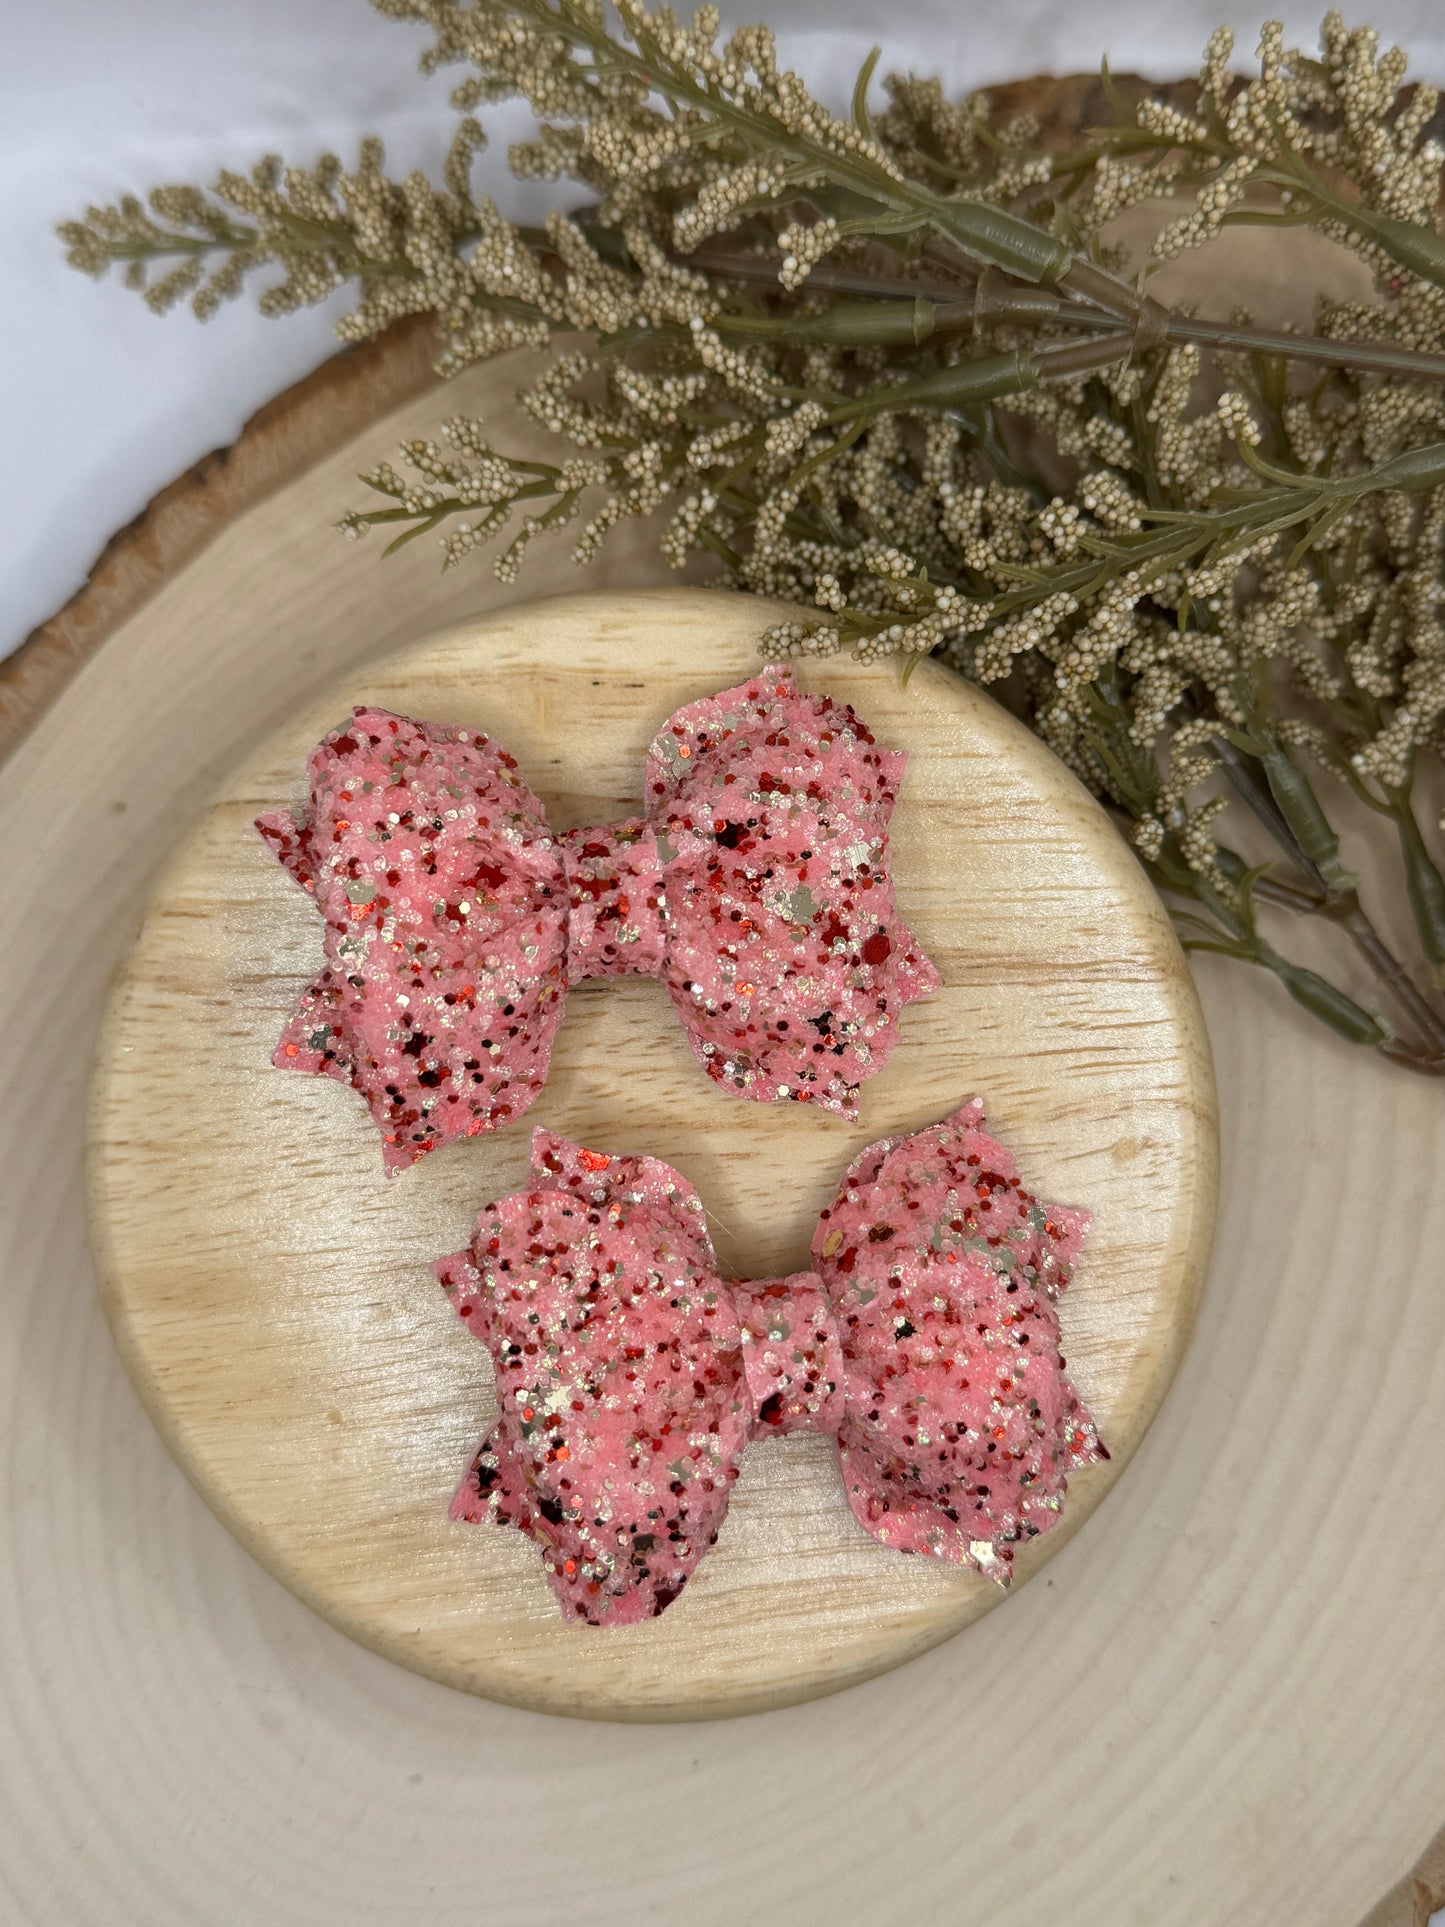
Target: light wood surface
(1221,1706)
(271,1288)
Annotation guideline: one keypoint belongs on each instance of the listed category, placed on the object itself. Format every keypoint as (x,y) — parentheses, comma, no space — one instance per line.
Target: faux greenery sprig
(893,367)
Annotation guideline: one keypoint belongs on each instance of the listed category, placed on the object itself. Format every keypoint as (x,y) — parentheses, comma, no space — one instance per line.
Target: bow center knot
(616,901)
(793,1361)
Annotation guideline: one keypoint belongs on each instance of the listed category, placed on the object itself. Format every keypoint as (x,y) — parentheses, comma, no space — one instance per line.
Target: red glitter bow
(631,1376)
(756,887)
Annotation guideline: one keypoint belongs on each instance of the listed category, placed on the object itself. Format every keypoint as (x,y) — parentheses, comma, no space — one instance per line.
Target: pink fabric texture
(631,1377)
(755,885)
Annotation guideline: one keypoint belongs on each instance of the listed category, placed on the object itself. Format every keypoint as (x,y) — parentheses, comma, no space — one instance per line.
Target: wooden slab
(271,1289)
(1225,1697)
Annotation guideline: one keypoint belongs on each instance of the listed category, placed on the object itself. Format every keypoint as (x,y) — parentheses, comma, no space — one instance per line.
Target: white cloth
(102,403)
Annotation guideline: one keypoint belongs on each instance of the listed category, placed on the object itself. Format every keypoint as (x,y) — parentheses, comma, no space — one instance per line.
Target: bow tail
(317,1040)
(494,1486)
(498,1488)
(313,1040)
(448,1090)
(913,973)
(290,843)
(971,1522)
(889,1501)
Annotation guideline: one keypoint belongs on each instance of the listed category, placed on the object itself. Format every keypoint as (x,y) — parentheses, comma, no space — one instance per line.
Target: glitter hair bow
(756,887)
(631,1377)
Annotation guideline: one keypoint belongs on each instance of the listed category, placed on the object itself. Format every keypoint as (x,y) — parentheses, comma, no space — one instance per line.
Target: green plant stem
(1356,924)
(1031,306)
(927,307)
(984,234)
(1386,966)
(1423,1064)
(1412,244)
(1324,999)
(1423,881)
(1340,905)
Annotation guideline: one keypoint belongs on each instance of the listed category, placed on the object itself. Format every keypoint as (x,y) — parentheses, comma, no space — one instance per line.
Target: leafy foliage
(893,368)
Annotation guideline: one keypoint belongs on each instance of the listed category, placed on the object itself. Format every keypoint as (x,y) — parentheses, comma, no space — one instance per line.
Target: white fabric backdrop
(102,403)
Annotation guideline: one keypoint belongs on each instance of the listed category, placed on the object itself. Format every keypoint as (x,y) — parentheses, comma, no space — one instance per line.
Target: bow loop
(630,1377)
(756,887)
(616,1350)
(787,960)
(445,908)
(962,1426)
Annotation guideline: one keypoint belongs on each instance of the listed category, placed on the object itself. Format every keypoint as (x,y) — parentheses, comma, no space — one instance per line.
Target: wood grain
(271,1290)
(1223,1699)
(309,420)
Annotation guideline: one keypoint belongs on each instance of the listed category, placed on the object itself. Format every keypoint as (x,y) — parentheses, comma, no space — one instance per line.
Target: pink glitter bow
(631,1376)
(756,887)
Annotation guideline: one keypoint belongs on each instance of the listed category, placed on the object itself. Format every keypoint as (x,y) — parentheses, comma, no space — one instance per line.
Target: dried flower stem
(888,367)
